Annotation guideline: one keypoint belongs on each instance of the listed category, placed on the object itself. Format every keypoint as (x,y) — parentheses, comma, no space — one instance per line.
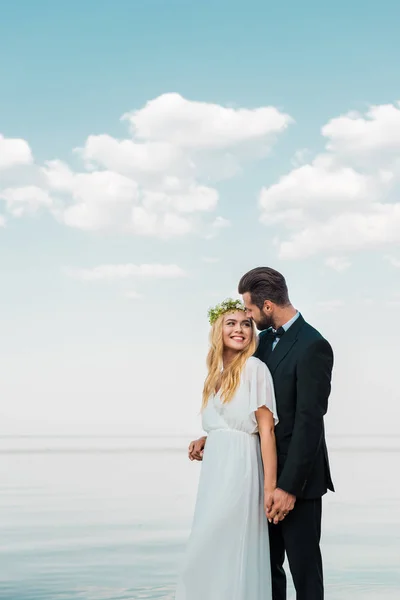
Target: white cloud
(170,118)
(58,176)
(376,132)
(133,295)
(330,305)
(368,301)
(318,187)
(347,198)
(181,196)
(101,200)
(134,159)
(170,149)
(107,200)
(127,271)
(221,223)
(395,262)
(2,221)
(393,303)
(338,263)
(159,224)
(25,200)
(211,260)
(300,157)
(157,183)
(216,226)
(379,226)
(14,152)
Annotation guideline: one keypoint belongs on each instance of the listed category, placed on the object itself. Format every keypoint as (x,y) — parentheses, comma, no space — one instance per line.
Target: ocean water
(107,518)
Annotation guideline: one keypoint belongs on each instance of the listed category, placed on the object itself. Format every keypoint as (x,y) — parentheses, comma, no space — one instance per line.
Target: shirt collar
(292,320)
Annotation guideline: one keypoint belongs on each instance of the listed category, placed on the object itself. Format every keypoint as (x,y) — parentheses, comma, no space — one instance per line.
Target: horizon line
(164,435)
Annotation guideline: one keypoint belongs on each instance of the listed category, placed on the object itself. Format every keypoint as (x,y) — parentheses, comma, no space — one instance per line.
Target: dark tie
(274,333)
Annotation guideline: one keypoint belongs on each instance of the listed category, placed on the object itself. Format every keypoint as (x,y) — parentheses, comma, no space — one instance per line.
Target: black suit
(301,366)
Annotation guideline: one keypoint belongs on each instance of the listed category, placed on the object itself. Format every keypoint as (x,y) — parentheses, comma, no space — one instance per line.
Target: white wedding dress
(227,556)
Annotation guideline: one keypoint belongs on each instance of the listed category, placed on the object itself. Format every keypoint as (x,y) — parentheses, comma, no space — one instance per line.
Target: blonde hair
(230,377)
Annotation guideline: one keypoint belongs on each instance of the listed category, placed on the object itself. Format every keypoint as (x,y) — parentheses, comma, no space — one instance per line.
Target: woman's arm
(266,429)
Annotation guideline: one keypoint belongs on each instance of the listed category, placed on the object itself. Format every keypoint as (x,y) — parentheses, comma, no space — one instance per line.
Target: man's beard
(264,322)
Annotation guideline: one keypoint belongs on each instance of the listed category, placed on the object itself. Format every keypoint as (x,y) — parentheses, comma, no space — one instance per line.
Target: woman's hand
(268,501)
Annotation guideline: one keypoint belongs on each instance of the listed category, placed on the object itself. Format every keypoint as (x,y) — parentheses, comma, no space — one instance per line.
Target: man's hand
(196,449)
(283,503)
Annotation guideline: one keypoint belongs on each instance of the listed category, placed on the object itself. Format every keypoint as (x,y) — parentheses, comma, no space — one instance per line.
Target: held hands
(268,501)
(278,504)
(196,449)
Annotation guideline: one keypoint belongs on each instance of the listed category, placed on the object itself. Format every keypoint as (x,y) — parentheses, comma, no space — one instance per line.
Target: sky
(152,152)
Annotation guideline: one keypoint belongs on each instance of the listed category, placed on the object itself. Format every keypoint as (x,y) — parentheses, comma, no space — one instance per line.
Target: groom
(300,361)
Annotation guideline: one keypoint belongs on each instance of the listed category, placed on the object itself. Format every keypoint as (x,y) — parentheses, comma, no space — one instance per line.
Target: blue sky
(85,355)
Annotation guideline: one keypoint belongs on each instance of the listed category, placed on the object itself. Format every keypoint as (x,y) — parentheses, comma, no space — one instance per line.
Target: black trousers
(298,536)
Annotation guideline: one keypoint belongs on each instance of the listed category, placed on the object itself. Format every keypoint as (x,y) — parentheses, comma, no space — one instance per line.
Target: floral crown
(226,306)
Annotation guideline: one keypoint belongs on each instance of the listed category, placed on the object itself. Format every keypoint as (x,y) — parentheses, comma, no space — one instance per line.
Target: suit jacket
(301,367)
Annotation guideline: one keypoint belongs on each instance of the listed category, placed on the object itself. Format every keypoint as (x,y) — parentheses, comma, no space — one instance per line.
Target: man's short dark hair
(264,283)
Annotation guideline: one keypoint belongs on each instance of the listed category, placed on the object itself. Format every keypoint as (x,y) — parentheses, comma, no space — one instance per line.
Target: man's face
(262,320)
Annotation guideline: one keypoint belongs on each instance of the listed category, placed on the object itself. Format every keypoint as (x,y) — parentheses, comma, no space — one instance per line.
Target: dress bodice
(255,390)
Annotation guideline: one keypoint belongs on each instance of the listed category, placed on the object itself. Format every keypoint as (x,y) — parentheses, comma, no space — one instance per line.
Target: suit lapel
(284,345)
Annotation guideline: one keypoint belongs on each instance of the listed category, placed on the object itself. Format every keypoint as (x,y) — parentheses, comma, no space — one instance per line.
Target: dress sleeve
(262,389)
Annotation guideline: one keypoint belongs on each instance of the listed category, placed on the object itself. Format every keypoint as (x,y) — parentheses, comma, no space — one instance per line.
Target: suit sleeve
(314,371)
(261,346)
(257,353)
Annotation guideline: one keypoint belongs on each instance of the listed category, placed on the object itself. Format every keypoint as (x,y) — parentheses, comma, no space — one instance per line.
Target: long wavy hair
(230,377)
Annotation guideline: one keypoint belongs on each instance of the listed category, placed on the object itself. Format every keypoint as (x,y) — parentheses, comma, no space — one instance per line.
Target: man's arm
(314,371)
(196,449)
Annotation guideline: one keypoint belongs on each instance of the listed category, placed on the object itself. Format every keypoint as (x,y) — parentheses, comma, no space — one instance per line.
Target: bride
(227,556)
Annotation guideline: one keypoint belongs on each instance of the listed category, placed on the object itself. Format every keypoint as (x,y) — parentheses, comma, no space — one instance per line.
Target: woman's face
(237,331)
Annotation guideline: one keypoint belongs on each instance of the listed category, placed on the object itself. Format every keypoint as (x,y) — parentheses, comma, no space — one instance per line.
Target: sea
(107,518)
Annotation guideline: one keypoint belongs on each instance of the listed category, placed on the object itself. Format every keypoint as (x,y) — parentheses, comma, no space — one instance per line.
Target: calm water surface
(107,519)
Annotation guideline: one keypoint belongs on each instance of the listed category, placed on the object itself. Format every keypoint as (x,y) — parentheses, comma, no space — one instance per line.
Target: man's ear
(267,308)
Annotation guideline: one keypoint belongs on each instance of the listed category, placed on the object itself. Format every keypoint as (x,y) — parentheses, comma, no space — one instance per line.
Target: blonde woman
(227,556)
